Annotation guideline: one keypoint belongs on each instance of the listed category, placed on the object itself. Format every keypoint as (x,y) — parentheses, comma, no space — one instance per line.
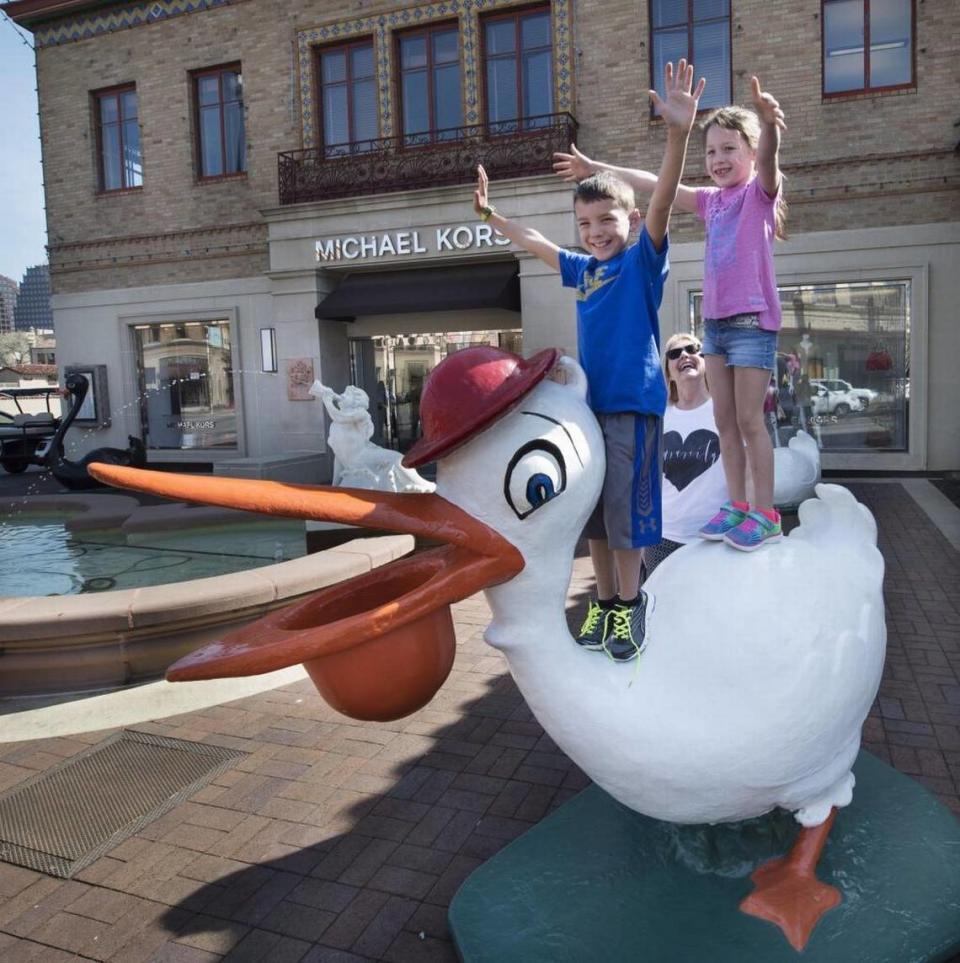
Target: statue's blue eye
(539,489)
(536,475)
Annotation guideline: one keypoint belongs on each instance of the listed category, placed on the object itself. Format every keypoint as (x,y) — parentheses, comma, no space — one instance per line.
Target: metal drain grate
(62,820)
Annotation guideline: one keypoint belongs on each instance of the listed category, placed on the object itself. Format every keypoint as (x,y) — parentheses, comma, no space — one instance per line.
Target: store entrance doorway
(392,369)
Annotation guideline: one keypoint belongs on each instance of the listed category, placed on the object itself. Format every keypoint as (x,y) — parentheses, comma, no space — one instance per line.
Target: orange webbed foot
(792,899)
(788,893)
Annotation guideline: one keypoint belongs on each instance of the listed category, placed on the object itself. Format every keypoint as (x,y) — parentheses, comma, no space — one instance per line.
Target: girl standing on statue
(744,212)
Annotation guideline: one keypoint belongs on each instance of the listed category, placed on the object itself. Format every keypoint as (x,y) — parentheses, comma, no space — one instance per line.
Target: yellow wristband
(486,212)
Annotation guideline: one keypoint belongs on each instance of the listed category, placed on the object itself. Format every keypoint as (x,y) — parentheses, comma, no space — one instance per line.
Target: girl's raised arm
(768,150)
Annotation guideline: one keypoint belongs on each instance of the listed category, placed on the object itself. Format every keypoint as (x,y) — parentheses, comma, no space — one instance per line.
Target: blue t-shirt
(618,335)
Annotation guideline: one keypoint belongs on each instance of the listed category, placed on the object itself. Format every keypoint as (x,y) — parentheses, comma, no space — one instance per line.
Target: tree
(14,348)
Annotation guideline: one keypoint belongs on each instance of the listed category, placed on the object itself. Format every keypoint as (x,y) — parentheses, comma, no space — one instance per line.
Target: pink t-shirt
(738,275)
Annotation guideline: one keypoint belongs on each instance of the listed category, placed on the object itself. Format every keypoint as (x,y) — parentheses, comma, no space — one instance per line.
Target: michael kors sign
(462,237)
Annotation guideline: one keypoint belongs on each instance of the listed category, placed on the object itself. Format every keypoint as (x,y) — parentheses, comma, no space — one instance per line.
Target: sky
(23,231)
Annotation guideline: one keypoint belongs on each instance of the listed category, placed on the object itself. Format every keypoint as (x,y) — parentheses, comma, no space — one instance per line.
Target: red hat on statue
(469,390)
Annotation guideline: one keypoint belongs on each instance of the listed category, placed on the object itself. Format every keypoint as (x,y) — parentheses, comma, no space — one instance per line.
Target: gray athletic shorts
(628,514)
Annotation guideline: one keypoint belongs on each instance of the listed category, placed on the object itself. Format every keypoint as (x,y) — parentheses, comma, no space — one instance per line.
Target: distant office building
(8,301)
(33,301)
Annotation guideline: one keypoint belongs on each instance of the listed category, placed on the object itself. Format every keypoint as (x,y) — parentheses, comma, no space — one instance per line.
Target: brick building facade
(165,246)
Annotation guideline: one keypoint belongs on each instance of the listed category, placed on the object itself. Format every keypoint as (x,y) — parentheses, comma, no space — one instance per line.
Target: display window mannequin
(808,354)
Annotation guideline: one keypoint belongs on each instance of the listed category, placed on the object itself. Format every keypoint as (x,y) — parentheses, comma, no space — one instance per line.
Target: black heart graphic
(685,460)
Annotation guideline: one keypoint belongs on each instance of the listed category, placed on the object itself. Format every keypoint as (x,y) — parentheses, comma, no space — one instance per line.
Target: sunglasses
(675,353)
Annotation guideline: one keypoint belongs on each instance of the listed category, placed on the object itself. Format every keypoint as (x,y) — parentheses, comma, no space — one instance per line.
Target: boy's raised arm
(526,237)
(576,166)
(679,111)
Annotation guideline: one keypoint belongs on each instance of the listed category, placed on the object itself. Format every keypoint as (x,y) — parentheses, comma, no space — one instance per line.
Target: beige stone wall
(173,228)
(154,234)
(858,161)
(876,160)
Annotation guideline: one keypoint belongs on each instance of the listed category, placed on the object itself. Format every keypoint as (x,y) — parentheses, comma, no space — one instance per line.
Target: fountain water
(98,639)
(110,626)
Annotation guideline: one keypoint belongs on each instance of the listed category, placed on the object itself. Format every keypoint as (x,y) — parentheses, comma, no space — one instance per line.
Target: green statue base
(596,881)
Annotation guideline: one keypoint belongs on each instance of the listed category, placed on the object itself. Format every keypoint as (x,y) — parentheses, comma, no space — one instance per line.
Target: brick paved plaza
(337,841)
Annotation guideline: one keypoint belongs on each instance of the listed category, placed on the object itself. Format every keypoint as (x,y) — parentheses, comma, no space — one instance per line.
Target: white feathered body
(760,668)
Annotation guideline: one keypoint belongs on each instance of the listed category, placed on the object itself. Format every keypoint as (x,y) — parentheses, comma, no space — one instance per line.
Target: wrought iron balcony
(514,148)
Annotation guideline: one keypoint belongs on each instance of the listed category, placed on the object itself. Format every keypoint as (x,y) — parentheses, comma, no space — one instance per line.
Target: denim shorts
(741,341)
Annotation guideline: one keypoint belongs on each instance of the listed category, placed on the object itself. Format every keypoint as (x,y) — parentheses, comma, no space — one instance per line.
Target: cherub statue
(358,462)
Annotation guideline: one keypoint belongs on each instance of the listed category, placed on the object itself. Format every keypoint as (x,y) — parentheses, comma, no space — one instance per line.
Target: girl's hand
(680,107)
(766,106)
(480,198)
(574,166)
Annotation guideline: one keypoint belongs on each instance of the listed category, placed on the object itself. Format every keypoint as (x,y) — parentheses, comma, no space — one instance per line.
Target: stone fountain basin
(69,643)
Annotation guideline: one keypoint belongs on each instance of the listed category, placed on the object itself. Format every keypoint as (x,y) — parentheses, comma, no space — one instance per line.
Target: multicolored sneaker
(594,626)
(755,530)
(728,518)
(626,630)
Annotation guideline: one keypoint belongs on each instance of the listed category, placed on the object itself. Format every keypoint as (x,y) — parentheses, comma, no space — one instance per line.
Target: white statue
(796,471)
(724,718)
(358,462)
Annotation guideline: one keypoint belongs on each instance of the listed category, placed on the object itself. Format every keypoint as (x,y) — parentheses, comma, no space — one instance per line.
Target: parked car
(832,402)
(866,395)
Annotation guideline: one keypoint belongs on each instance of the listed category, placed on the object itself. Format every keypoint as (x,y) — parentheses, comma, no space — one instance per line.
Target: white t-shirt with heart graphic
(694,486)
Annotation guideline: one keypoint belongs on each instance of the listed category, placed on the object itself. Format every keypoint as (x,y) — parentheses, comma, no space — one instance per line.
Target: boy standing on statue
(619,287)
(744,213)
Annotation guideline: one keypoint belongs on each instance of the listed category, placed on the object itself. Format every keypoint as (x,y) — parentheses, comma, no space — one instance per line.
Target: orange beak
(377,646)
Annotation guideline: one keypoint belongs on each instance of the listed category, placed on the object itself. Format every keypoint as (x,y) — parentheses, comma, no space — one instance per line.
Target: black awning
(457,288)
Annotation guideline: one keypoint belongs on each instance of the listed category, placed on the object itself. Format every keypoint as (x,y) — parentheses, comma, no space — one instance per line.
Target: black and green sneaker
(626,630)
(594,626)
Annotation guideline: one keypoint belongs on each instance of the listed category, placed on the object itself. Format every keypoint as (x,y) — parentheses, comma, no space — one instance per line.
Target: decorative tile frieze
(86,26)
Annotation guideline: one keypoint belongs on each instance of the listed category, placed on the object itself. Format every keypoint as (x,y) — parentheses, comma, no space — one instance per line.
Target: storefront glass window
(843,364)
(392,370)
(186,385)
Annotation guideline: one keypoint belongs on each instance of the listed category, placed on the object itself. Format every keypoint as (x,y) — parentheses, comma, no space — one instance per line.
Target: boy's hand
(767,108)
(574,166)
(480,197)
(680,107)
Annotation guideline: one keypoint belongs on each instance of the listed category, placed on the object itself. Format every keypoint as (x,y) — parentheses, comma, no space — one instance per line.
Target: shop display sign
(460,237)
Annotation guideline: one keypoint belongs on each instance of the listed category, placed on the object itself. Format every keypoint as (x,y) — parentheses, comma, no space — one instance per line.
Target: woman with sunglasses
(693,479)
